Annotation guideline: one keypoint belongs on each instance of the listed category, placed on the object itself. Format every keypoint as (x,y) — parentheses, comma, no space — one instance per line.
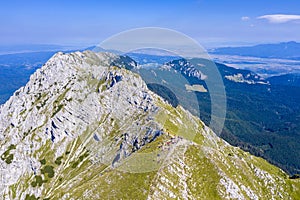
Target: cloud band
(280,18)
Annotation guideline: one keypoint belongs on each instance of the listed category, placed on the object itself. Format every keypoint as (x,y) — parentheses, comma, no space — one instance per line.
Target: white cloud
(245,18)
(280,18)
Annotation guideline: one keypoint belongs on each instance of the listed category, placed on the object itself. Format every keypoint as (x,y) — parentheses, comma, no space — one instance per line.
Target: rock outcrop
(83,128)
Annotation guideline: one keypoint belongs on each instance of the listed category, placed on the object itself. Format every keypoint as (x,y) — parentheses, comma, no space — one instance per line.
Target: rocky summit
(86,127)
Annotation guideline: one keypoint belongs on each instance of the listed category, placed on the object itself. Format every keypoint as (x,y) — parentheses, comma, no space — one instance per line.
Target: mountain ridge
(81,127)
(274,137)
(285,50)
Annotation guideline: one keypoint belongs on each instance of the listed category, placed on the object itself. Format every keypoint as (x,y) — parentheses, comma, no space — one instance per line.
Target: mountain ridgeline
(85,128)
(284,50)
(273,134)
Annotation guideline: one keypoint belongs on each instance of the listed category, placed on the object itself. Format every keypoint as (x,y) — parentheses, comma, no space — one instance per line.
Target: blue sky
(211,22)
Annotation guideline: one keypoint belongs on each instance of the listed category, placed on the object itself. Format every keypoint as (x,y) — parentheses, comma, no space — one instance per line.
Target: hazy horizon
(52,47)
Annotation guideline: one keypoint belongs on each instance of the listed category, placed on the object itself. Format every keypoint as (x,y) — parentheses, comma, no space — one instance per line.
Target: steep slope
(84,129)
(272,136)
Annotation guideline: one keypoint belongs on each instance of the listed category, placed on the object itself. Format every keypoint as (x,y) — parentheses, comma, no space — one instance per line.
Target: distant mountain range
(284,50)
(13,49)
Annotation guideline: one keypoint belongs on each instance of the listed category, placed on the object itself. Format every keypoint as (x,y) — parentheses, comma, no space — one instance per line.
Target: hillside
(83,128)
(272,135)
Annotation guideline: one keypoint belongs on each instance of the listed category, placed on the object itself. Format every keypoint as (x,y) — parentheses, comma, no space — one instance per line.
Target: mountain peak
(85,126)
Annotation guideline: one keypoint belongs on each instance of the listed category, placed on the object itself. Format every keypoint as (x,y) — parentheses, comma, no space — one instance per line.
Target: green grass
(74,164)
(23,112)
(7,156)
(58,160)
(57,104)
(99,84)
(205,178)
(49,170)
(30,197)
(57,109)
(43,161)
(38,181)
